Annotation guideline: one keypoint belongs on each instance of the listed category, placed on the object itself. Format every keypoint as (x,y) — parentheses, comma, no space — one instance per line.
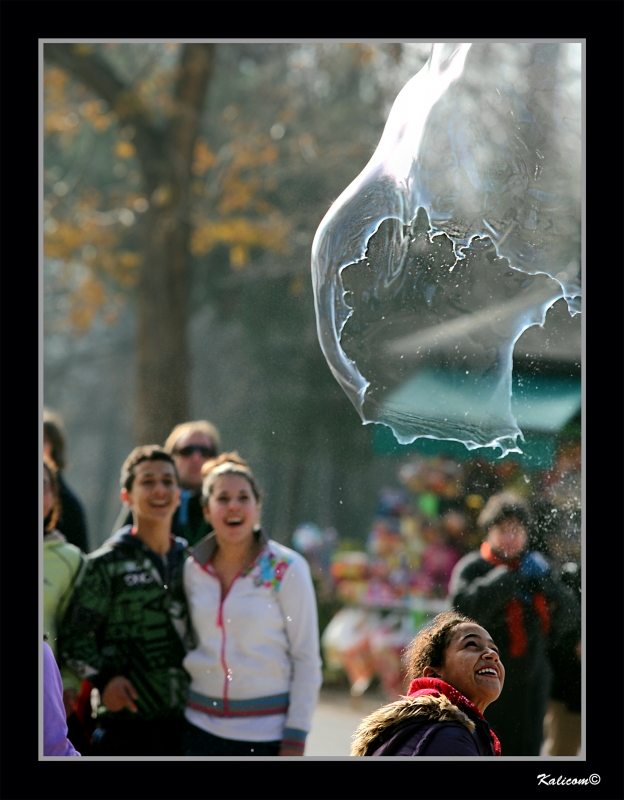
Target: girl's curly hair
(429,646)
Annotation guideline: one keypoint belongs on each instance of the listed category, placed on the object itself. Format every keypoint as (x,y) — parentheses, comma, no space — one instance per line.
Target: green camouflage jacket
(128,616)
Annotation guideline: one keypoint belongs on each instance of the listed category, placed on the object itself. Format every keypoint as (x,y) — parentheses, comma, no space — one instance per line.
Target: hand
(69,701)
(290,751)
(119,693)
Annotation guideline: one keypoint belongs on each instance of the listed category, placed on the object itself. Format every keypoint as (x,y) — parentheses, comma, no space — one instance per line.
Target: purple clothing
(426,738)
(433,719)
(55,741)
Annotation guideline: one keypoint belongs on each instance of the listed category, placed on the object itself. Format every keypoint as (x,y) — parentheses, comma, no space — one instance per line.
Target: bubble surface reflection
(459,234)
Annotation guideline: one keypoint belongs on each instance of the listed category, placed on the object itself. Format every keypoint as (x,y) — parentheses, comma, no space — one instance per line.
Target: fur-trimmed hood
(428,707)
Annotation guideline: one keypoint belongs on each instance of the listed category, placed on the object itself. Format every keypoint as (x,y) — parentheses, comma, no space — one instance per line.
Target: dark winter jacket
(525,610)
(566,665)
(128,616)
(434,719)
(72,522)
(188,521)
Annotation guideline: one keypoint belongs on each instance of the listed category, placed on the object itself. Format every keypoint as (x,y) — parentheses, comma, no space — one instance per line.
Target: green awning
(542,406)
(545,403)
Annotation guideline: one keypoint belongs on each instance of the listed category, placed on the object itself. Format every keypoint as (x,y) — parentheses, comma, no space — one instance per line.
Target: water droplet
(449,245)
(277,131)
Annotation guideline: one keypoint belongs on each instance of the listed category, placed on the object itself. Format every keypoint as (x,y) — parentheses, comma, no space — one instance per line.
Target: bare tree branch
(91,70)
(196,66)
(88,68)
(166,154)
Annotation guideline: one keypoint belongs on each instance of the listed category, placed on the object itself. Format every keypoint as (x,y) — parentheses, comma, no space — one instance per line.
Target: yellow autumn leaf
(83,49)
(55,81)
(80,318)
(111,316)
(239,256)
(204,158)
(85,302)
(55,77)
(269,154)
(128,104)
(124,149)
(68,240)
(162,195)
(238,231)
(296,286)
(129,260)
(102,122)
(57,121)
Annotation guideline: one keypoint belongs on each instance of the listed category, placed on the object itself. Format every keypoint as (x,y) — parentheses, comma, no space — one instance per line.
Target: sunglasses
(186,452)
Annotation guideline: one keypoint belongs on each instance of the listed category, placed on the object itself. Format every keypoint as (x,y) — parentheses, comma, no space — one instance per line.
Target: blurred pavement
(336,717)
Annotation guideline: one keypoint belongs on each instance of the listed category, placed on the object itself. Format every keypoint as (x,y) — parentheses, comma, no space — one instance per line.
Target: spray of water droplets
(459,234)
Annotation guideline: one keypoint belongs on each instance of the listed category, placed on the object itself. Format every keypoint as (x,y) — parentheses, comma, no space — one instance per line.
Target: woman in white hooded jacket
(256,671)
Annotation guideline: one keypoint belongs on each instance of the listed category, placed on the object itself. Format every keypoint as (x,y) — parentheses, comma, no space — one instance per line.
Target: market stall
(383,590)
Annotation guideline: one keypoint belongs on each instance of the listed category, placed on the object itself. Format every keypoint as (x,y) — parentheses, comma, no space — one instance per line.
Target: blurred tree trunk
(166,156)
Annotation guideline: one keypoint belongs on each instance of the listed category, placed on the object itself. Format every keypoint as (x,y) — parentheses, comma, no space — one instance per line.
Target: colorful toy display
(398,578)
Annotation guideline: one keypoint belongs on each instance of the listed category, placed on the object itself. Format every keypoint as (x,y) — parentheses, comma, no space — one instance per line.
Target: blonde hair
(198,426)
(227,464)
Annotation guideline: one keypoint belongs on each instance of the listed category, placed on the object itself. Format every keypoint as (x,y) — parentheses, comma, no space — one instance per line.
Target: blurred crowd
(188,632)
(425,526)
(497,542)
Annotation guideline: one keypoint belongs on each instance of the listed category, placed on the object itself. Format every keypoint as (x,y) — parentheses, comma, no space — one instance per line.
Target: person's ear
(125,497)
(206,511)
(429,672)
(179,497)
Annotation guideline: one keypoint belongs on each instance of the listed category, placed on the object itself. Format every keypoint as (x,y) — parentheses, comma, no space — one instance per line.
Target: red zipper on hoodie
(207,567)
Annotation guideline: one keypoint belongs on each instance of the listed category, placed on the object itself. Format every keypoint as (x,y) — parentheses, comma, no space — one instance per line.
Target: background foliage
(178,221)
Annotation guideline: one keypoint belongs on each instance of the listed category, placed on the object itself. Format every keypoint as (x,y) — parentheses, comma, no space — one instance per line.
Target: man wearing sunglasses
(191,444)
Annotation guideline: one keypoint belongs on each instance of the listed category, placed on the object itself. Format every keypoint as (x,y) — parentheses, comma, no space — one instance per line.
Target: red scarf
(436,687)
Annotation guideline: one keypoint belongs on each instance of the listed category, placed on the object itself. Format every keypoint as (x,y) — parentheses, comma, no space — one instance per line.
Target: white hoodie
(256,672)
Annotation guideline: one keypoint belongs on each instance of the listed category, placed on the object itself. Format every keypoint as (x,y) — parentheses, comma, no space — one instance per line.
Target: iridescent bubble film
(460,233)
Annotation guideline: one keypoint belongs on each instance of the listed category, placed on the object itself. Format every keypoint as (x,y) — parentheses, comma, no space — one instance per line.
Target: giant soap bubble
(460,233)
